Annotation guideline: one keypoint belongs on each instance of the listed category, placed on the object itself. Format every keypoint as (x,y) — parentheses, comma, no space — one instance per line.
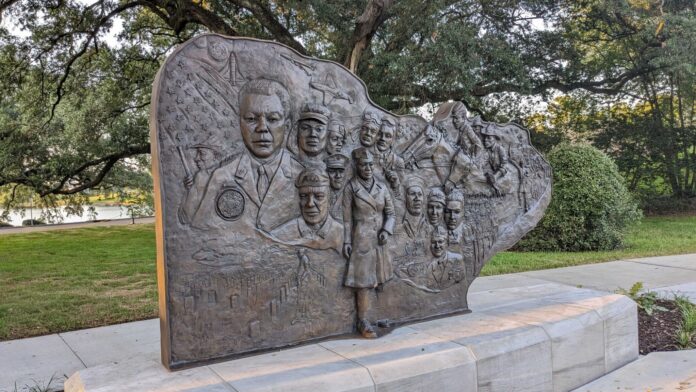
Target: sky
(110,38)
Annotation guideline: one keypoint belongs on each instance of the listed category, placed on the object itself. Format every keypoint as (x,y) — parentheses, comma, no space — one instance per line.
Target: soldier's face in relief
(336,177)
(458,118)
(334,143)
(312,137)
(488,141)
(435,212)
(437,246)
(365,168)
(414,200)
(202,157)
(368,134)
(386,138)
(453,214)
(314,204)
(262,124)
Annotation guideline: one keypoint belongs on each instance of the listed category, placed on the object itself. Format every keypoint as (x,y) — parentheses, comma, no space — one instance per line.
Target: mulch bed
(657,332)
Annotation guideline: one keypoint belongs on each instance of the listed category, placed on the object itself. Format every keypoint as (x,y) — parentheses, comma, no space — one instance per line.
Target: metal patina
(291,208)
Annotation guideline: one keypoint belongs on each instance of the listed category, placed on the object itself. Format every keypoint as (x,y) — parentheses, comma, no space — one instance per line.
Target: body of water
(107,212)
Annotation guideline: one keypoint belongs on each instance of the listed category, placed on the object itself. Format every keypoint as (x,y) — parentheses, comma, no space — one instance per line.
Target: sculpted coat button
(229,204)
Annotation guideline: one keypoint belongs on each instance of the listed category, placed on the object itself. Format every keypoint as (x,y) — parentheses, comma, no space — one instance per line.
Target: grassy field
(71,279)
(655,236)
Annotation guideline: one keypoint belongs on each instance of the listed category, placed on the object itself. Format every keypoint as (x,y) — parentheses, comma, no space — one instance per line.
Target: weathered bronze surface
(291,208)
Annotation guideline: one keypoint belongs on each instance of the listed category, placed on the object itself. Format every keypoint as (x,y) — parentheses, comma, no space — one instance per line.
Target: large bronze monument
(291,208)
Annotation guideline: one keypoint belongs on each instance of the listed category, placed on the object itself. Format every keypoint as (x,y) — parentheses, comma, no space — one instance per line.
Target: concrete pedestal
(546,337)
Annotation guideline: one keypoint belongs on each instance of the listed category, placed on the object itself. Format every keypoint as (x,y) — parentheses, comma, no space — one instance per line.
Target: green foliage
(644,300)
(590,207)
(48,386)
(687,329)
(74,104)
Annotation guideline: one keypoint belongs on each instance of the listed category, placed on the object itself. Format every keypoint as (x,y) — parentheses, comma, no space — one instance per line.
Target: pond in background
(103,212)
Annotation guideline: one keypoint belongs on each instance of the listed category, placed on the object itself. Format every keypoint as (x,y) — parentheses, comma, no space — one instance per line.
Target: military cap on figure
(371,123)
(337,137)
(312,130)
(336,161)
(336,166)
(436,206)
(315,228)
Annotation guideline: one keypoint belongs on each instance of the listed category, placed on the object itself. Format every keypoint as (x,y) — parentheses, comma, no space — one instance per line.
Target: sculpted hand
(383,237)
(188,182)
(347,250)
(390,175)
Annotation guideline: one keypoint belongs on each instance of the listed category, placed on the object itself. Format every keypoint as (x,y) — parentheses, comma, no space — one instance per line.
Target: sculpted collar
(270,164)
(306,231)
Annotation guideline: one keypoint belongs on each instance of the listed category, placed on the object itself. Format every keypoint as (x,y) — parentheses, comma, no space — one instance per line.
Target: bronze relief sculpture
(291,208)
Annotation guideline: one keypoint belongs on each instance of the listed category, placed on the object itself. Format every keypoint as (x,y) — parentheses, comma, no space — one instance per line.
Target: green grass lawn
(655,236)
(71,279)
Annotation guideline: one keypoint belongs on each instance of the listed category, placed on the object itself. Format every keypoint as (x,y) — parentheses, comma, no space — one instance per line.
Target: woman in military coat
(368,216)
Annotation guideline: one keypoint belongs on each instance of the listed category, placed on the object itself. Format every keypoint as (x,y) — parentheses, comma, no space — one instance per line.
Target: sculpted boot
(366,330)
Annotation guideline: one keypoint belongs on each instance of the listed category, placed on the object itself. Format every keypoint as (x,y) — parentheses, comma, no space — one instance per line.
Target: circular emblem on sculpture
(229,204)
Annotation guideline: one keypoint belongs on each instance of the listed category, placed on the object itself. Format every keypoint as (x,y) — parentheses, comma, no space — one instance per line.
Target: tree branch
(265,16)
(108,162)
(366,25)
(91,37)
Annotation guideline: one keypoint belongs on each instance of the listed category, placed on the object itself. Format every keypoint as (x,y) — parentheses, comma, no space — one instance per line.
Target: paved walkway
(30,362)
(65,226)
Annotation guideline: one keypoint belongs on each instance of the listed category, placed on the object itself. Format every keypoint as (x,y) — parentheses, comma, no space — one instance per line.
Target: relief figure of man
(336,167)
(391,164)
(316,228)
(454,211)
(369,217)
(414,221)
(469,141)
(497,167)
(337,137)
(264,172)
(312,131)
(369,129)
(436,206)
(447,268)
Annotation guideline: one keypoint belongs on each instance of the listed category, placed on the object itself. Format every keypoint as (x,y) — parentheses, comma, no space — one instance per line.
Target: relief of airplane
(301,64)
(329,87)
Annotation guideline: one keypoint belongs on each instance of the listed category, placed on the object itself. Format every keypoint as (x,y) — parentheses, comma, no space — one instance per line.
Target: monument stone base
(547,337)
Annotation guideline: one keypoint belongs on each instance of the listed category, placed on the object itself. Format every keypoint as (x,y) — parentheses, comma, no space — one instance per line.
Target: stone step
(658,371)
(545,337)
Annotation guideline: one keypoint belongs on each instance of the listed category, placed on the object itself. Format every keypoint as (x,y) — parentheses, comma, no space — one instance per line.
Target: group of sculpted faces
(354,216)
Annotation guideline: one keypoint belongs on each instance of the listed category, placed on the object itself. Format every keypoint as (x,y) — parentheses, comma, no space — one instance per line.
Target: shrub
(590,207)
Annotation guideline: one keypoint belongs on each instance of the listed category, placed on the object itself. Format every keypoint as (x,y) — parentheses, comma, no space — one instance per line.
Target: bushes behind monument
(591,209)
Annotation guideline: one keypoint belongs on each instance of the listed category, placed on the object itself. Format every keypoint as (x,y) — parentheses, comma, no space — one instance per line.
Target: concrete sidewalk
(30,362)
(66,226)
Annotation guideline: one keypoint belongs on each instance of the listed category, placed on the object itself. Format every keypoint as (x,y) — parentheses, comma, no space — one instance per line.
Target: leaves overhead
(74,107)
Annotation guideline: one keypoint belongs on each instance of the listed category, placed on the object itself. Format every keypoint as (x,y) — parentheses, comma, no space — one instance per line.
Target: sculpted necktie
(262,184)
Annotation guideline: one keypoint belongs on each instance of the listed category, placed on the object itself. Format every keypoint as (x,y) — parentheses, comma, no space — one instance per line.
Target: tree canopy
(74,108)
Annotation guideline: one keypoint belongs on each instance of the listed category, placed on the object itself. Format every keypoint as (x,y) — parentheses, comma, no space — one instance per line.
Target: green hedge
(590,208)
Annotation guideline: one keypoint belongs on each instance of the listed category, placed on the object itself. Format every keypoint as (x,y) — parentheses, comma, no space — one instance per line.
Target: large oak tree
(73,109)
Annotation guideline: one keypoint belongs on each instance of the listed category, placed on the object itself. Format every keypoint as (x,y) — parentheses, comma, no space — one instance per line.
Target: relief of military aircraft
(329,87)
(306,67)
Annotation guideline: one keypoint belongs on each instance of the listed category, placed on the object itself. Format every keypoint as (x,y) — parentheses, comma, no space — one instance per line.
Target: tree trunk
(366,26)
